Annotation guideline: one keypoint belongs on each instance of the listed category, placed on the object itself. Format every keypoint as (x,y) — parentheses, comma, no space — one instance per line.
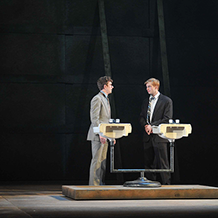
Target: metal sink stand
(142,181)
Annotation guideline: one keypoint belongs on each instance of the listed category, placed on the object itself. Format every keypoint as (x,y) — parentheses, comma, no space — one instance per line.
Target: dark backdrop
(51,57)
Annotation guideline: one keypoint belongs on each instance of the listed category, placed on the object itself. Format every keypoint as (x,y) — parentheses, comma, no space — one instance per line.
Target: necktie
(149,109)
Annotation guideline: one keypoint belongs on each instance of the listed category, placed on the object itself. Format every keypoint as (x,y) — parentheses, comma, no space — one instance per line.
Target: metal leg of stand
(172,156)
(142,181)
(111,155)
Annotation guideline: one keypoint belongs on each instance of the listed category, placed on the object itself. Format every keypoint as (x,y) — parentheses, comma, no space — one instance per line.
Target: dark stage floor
(37,201)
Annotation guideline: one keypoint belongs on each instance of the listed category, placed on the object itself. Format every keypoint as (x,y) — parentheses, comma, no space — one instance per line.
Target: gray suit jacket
(100,112)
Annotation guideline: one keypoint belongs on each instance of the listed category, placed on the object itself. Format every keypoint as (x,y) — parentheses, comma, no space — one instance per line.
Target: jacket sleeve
(167,113)
(95,111)
(143,115)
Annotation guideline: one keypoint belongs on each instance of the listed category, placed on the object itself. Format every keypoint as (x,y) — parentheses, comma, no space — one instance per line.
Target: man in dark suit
(155,110)
(100,112)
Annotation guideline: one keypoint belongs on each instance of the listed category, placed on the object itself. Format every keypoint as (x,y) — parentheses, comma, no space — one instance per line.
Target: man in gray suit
(100,112)
(155,110)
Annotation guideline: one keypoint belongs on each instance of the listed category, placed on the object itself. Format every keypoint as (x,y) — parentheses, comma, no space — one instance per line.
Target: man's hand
(102,139)
(148,129)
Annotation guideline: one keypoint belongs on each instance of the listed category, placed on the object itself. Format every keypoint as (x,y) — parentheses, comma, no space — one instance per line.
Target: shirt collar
(104,93)
(156,96)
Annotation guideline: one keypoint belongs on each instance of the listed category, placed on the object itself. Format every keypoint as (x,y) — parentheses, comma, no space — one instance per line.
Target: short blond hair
(153,81)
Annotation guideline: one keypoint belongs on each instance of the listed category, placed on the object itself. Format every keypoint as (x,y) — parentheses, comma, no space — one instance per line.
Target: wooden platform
(121,192)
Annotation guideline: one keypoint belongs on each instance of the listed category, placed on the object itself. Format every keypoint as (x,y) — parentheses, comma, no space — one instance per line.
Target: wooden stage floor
(120,192)
(48,201)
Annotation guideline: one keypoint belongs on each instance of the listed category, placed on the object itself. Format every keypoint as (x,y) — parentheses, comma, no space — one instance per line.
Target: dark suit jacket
(163,111)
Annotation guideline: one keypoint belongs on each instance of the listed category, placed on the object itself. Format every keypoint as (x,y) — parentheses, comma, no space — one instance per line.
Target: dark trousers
(156,157)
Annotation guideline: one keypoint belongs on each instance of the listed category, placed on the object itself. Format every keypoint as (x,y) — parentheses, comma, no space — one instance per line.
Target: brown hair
(103,81)
(153,81)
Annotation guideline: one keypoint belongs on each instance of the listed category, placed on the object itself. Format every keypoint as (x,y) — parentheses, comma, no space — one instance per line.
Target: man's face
(108,88)
(152,90)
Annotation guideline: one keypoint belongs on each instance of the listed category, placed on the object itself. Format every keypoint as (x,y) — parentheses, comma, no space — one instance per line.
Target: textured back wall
(50,60)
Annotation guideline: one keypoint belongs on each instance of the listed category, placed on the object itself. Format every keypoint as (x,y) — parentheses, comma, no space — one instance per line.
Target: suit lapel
(104,102)
(157,106)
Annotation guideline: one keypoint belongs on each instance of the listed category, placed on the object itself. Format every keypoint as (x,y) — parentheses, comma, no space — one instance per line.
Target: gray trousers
(98,162)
